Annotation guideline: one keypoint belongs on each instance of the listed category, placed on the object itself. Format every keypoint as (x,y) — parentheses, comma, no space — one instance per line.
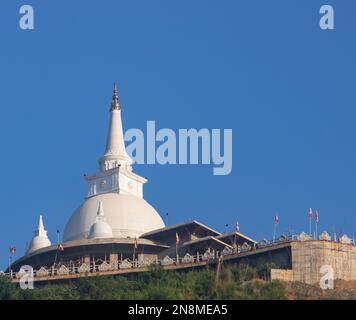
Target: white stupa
(118,189)
(100,229)
(40,239)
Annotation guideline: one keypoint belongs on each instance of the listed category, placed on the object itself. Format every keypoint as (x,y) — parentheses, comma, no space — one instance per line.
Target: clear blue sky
(263,68)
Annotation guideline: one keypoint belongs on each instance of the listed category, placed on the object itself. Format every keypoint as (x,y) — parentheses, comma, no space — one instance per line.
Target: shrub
(233,282)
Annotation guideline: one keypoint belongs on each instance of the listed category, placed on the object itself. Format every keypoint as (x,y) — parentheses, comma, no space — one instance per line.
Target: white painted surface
(128,216)
(118,188)
(40,239)
(100,228)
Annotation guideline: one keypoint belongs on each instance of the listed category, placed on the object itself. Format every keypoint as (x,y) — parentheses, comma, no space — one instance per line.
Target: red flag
(237,228)
(60,247)
(310,214)
(276,219)
(316,216)
(177,237)
(13,250)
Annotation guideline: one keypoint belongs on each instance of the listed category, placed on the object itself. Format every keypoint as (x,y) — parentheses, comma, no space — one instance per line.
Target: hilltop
(235,282)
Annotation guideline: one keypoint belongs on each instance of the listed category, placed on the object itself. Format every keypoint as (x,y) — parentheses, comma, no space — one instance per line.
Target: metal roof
(206,239)
(178,226)
(232,234)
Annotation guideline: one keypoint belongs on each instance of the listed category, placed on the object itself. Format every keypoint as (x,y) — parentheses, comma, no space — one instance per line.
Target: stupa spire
(115,104)
(115,153)
(40,223)
(40,231)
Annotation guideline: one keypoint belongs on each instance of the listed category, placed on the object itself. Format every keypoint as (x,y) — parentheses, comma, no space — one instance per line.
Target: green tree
(8,290)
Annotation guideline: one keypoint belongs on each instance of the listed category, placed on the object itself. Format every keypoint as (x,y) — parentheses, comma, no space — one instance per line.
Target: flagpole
(133,256)
(237,229)
(10,262)
(310,218)
(134,251)
(177,241)
(11,253)
(177,252)
(276,221)
(316,224)
(59,248)
(55,257)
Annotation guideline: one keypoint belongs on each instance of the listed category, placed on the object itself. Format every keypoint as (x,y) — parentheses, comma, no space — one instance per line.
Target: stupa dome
(127,215)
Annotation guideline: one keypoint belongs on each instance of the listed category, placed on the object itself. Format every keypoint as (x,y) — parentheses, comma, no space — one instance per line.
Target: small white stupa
(40,239)
(100,229)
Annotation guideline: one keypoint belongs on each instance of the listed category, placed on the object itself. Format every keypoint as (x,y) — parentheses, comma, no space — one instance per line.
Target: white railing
(104,266)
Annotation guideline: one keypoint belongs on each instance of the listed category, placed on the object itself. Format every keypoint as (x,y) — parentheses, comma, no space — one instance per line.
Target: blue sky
(263,68)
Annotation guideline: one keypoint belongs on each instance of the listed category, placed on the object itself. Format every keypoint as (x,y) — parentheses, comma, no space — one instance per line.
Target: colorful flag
(237,228)
(310,214)
(276,219)
(317,216)
(60,247)
(177,237)
(12,250)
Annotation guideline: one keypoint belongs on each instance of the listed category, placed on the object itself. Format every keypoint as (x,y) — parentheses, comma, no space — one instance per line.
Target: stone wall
(309,256)
(282,274)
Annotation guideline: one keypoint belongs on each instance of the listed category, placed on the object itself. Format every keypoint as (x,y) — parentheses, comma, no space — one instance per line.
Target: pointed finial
(40,223)
(115,104)
(40,231)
